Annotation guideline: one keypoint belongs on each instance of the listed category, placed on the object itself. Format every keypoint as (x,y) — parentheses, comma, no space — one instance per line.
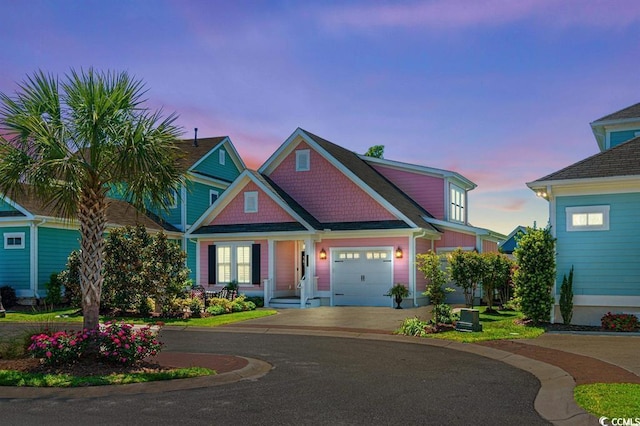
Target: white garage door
(361,277)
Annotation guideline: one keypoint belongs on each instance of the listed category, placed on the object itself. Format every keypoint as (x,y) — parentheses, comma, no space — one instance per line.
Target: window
(251,202)
(302,160)
(222,157)
(213,196)
(457,200)
(14,240)
(233,262)
(587,218)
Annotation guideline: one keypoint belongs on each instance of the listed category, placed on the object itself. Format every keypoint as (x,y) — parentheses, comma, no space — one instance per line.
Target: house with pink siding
(318,224)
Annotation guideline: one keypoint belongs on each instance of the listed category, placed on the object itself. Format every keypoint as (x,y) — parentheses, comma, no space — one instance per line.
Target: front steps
(292,302)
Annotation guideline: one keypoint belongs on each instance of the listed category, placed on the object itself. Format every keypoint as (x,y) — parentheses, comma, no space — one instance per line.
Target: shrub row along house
(593,212)
(316,224)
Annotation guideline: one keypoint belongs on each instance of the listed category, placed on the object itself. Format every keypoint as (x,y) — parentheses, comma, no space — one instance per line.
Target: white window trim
(251,202)
(13,235)
(570,211)
(222,157)
(233,273)
(303,160)
(212,192)
(173,199)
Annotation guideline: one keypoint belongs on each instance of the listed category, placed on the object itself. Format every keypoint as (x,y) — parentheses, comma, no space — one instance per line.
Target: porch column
(269,283)
(310,271)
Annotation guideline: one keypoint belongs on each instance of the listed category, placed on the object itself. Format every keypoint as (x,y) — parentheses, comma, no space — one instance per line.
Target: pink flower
(49,354)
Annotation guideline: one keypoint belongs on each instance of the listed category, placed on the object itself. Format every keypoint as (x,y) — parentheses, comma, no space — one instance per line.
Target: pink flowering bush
(61,347)
(118,343)
(122,344)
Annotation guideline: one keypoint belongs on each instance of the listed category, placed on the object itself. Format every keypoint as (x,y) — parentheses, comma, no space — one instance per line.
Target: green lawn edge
(612,400)
(23,379)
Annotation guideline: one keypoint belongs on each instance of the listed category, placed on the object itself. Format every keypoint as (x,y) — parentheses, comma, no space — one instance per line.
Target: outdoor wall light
(398,253)
(323,254)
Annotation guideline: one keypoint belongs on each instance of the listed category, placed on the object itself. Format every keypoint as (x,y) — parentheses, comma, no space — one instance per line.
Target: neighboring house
(509,245)
(319,224)
(36,243)
(593,212)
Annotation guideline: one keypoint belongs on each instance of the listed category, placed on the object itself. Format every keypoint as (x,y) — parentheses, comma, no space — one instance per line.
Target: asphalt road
(315,381)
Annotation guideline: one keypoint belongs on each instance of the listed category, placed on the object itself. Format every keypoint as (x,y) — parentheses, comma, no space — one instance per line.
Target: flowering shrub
(117,342)
(121,343)
(619,322)
(60,347)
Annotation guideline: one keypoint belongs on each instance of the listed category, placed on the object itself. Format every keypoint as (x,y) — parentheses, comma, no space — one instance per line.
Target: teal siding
(605,262)
(5,207)
(211,166)
(15,263)
(54,247)
(198,200)
(616,138)
(191,259)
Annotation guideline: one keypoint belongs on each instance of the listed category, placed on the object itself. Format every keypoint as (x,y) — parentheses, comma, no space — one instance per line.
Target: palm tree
(71,141)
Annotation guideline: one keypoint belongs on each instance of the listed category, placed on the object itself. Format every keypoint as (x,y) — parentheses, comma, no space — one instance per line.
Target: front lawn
(72,316)
(613,400)
(496,326)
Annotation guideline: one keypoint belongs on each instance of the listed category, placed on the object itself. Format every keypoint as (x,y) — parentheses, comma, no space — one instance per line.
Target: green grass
(17,378)
(72,316)
(498,326)
(609,399)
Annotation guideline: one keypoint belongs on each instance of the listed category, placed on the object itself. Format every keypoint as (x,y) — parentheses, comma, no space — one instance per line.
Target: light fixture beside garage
(398,253)
(323,254)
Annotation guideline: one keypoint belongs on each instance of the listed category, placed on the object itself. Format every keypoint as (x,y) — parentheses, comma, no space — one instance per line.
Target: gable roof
(630,112)
(192,153)
(375,181)
(509,245)
(621,160)
(119,212)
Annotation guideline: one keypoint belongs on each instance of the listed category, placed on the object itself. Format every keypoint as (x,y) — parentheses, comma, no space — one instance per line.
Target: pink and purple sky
(500,91)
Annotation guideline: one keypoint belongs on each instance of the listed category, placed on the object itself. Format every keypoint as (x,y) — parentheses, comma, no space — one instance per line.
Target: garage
(361,276)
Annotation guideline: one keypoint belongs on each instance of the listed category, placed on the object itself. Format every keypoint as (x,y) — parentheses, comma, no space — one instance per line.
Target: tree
(566,297)
(71,140)
(496,275)
(430,264)
(536,273)
(375,151)
(466,269)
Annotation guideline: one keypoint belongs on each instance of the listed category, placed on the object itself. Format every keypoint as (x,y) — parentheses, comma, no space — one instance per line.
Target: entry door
(361,277)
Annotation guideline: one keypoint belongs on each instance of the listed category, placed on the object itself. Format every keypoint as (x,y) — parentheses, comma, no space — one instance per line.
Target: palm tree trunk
(92,218)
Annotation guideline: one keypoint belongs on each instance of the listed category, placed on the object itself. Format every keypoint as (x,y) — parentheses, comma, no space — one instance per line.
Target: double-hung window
(233,263)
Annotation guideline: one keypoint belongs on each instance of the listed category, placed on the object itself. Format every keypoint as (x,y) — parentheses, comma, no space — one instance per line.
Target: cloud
(460,14)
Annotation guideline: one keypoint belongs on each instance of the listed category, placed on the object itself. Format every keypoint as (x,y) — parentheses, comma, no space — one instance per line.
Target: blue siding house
(593,212)
(36,243)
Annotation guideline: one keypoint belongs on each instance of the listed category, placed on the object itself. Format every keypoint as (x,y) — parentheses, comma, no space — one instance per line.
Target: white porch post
(310,269)
(269,283)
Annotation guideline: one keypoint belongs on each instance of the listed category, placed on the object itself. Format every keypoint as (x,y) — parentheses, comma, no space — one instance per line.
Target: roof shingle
(632,111)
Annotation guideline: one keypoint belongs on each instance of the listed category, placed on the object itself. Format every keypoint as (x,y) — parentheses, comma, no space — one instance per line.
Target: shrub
(535,275)
(496,274)
(619,322)
(54,290)
(566,297)
(258,301)
(216,310)
(146,306)
(61,347)
(121,343)
(412,327)
(8,295)
(430,264)
(70,279)
(221,301)
(196,306)
(446,315)
(466,269)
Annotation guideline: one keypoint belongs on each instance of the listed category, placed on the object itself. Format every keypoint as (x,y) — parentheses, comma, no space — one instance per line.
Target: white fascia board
(222,201)
(237,160)
(18,207)
(208,153)
(243,236)
(430,171)
(207,180)
(472,230)
(606,184)
(284,149)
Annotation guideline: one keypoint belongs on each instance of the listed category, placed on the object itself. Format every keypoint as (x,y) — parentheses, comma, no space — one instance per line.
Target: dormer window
(251,202)
(222,157)
(457,201)
(302,160)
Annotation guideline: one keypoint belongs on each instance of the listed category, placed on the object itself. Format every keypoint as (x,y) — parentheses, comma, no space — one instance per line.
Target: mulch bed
(84,367)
